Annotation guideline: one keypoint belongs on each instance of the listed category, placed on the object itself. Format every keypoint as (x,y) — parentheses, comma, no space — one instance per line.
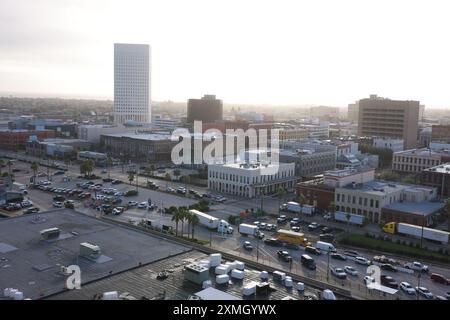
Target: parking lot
(44,200)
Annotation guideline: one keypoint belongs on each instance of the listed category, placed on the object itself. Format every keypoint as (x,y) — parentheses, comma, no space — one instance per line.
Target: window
(371,203)
(338,197)
(376,203)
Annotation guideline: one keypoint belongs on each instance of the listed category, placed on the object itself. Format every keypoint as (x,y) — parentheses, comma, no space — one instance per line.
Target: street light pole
(328,265)
(257,249)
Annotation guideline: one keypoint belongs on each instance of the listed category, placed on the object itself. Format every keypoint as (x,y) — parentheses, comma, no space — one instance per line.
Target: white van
(325,246)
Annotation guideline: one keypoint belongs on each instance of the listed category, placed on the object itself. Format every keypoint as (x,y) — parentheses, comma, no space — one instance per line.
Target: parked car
(284,255)
(351,253)
(424,292)
(116,181)
(312,250)
(171,190)
(388,267)
(26,203)
(58,173)
(295,228)
(273,242)
(142,205)
(407,288)
(441,298)
(248,246)
(447,295)
(362,260)
(57,204)
(338,256)
(31,210)
(350,270)
(295,222)
(416,266)
(118,210)
(313,226)
(326,230)
(338,272)
(281,219)
(132,203)
(388,282)
(439,278)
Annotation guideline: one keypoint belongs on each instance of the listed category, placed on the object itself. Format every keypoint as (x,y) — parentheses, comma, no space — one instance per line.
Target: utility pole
(328,265)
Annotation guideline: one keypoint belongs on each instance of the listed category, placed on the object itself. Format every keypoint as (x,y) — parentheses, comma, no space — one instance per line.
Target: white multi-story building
(132,99)
(415,160)
(389,143)
(249,179)
(369,198)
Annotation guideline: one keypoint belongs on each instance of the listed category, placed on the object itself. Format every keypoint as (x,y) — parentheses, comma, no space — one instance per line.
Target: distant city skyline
(252,52)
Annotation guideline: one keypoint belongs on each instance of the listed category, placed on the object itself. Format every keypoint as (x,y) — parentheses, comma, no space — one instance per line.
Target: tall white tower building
(132,100)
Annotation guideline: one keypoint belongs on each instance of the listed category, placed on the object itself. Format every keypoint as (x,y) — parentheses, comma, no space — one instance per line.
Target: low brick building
(422,213)
(17,139)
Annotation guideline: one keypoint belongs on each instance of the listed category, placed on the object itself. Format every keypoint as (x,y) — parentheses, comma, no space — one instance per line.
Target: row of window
(248,180)
(429,162)
(361,201)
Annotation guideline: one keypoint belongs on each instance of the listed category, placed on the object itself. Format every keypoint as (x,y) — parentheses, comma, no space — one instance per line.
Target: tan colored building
(383,117)
(440,133)
(416,160)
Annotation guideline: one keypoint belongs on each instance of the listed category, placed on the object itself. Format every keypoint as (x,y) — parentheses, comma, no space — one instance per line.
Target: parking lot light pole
(418,285)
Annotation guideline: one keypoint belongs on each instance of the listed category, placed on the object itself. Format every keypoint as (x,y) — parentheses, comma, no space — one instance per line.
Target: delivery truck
(250,230)
(295,207)
(211,222)
(292,237)
(417,232)
(355,219)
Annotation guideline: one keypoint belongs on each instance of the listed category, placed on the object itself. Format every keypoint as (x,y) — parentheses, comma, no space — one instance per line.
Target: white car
(368,279)
(362,260)
(417,266)
(171,190)
(424,292)
(351,271)
(338,272)
(57,204)
(407,288)
(143,205)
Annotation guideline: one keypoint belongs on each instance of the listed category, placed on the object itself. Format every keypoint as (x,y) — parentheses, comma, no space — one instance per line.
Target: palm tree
(176,217)
(109,163)
(447,208)
(194,222)
(188,220)
(34,166)
(130,176)
(280,194)
(183,215)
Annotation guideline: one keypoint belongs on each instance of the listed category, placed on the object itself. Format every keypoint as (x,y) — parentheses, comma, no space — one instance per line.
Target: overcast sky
(284,52)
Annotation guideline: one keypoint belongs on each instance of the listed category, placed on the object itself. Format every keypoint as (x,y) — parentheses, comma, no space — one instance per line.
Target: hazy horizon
(254,52)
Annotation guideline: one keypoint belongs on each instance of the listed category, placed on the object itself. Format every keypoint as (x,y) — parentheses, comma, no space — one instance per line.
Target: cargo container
(354,218)
(417,232)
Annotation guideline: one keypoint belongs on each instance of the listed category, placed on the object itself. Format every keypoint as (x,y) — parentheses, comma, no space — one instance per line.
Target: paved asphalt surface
(232,243)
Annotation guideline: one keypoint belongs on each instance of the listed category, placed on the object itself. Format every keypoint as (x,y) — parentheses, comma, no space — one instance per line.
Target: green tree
(176,172)
(183,215)
(195,221)
(86,167)
(176,217)
(2,163)
(281,192)
(348,216)
(130,176)
(167,177)
(34,166)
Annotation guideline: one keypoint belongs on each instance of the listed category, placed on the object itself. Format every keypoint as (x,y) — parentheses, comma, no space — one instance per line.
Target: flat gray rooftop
(32,265)
(141,283)
(424,208)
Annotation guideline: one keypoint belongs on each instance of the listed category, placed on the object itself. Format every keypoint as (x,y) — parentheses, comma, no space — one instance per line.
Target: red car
(439,278)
